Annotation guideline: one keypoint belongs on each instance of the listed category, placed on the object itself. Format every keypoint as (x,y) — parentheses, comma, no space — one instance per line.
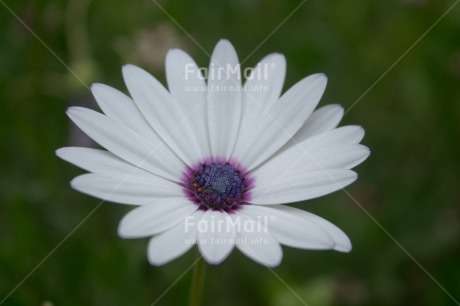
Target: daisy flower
(213,163)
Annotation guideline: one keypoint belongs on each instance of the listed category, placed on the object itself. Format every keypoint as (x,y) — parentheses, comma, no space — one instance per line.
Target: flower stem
(196,288)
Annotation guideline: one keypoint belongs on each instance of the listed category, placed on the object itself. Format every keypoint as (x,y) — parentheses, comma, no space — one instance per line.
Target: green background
(409,184)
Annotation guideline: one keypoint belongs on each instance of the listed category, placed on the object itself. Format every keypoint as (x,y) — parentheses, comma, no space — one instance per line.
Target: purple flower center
(217,185)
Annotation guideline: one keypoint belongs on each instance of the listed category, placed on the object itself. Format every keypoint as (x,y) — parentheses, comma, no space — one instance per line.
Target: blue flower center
(218,186)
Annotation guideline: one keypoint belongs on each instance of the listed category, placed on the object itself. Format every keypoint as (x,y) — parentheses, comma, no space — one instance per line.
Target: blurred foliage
(409,184)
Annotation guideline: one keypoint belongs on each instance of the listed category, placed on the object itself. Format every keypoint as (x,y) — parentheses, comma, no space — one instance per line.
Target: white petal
(297,150)
(188,87)
(163,113)
(345,134)
(224,99)
(342,242)
(285,119)
(259,245)
(174,242)
(216,236)
(151,219)
(321,120)
(126,144)
(120,107)
(300,229)
(299,159)
(125,189)
(334,157)
(302,186)
(100,162)
(261,92)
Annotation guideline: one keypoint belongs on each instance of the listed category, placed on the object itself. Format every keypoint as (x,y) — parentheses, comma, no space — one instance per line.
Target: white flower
(213,163)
